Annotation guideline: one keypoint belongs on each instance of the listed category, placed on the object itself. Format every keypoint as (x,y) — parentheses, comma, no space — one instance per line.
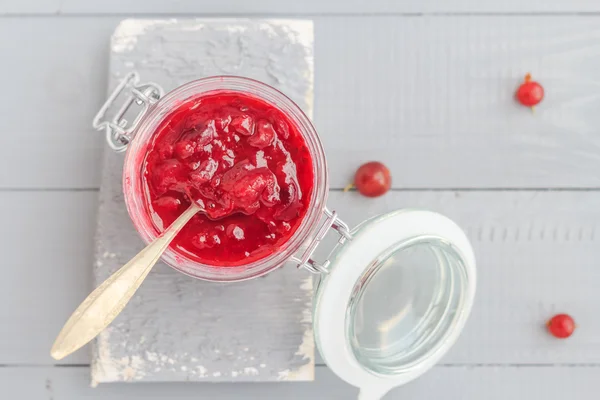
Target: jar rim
(138,147)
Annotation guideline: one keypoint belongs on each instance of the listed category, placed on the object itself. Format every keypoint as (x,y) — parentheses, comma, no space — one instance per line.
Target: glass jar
(137,149)
(392,296)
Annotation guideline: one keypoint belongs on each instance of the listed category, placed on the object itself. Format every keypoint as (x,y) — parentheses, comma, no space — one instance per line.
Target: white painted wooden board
(431,96)
(270,7)
(443,382)
(177,328)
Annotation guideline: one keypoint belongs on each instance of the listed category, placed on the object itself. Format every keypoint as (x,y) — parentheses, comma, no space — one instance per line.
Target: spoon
(103,305)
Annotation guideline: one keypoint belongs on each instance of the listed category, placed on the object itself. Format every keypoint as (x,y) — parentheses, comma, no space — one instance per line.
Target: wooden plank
(537,255)
(522,281)
(466,383)
(47,250)
(432,97)
(54,75)
(307,7)
(260,330)
(452,126)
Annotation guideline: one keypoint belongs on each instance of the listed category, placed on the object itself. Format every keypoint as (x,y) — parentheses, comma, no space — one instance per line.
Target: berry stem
(349,187)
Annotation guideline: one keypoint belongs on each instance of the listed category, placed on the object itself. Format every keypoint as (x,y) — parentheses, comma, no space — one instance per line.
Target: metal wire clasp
(331,221)
(118,129)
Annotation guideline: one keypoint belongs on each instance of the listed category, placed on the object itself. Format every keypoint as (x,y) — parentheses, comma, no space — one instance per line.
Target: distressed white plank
(259,330)
(432,97)
(521,281)
(465,383)
(239,7)
(47,252)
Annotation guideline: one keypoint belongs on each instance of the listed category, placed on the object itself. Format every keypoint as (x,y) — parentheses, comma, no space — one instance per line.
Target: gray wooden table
(526,188)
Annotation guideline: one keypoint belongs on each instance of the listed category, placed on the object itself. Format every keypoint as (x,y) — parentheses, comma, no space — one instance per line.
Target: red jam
(240,158)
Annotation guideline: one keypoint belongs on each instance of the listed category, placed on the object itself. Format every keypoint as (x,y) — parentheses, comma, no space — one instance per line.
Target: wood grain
(46,270)
(465,383)
(55,77)
(536,256)
(458,128)
(51,63)
(433,99)
(549,267)
(307,7)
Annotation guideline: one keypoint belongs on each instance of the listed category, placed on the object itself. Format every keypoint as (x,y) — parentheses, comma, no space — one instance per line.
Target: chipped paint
(302,32)
(250,371)
(108,368)
(151,356)
(126,35)
(201,370)
(306,350)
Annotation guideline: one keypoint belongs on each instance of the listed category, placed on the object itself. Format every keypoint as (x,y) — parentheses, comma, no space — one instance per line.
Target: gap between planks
(442,365)
(489,189)
(264,15)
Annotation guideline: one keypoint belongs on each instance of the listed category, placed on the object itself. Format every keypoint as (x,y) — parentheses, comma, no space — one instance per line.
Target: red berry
(561,326)
(183,149)
(244,125)
(168,175)
(164,151)
(530,93)
(264,136)
(168,203)
(373,179)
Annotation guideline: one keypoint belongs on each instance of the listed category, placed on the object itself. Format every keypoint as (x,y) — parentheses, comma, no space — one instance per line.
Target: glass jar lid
(394,300)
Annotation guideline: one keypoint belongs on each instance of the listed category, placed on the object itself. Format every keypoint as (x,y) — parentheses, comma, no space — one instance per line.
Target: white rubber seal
(349,264)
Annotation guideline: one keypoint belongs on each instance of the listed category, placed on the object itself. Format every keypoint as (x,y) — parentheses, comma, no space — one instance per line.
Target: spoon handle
(106,302)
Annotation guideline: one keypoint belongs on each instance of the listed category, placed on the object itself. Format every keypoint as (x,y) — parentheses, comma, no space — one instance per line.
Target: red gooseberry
(372,179)
(561,326)
(530,93)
